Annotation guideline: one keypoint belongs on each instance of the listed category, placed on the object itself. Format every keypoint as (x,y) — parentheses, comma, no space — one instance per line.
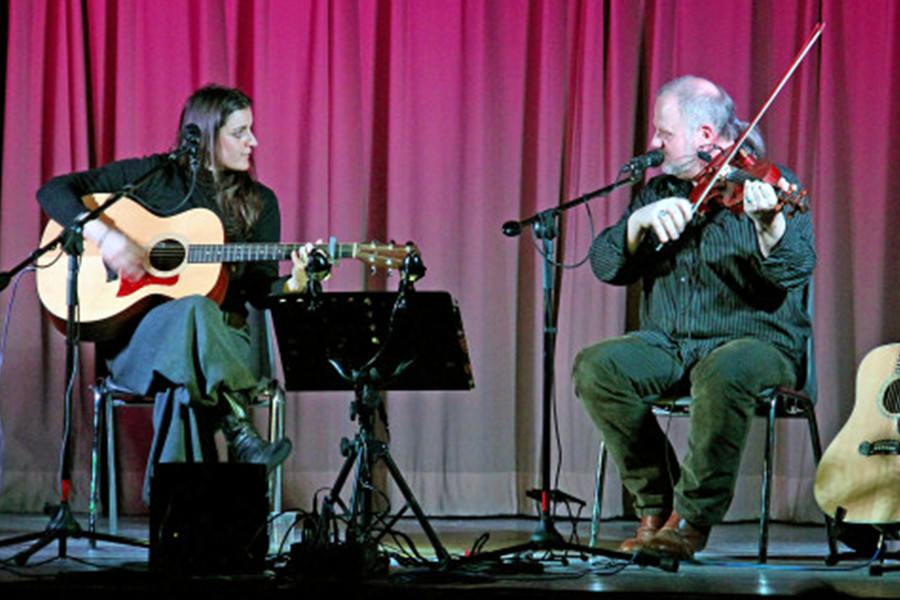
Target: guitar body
(184,255)
(105,301)
(859,474)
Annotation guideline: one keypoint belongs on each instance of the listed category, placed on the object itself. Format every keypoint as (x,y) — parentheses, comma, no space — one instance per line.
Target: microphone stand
(63,524)
(546,537)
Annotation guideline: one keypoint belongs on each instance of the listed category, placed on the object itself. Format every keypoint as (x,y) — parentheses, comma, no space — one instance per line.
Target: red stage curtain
(436,122)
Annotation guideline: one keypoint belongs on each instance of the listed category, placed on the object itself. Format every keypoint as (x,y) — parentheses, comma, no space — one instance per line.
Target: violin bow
(804,50)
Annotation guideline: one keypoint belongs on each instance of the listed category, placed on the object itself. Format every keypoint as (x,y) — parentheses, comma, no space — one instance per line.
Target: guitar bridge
(880,447)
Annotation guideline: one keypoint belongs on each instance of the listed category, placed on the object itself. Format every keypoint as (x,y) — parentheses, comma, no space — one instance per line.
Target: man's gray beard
(681,167)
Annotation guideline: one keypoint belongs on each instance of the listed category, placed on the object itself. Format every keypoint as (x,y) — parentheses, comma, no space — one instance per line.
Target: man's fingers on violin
(677,208)
(759,190)
(674,215)
(759,195)
(667,226)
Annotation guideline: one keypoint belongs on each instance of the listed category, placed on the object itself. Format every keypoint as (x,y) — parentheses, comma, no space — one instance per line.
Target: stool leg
(95,465)
(276,432)
(598,493)
(112,483)
(767,482)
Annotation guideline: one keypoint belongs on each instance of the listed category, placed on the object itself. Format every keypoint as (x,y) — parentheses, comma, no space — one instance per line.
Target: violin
(735,165)
(722,183)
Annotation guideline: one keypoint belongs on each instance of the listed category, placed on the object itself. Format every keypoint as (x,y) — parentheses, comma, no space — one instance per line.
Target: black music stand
(369,342)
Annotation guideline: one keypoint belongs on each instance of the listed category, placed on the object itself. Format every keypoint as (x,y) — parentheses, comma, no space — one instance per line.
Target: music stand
(370,342)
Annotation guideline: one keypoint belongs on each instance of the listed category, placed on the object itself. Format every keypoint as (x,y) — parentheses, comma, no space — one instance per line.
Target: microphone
(641,163)
(512,228)
(190,141)
(636,165)
(318,267)
(191,136)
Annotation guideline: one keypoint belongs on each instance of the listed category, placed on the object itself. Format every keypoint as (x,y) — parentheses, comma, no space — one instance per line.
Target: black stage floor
(726,569)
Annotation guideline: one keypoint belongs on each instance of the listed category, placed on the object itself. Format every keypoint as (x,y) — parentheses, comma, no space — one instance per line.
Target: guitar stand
(866,540)
(878,567)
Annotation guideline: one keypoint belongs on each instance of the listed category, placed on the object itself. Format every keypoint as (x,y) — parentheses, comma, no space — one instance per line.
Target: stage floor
(726,569)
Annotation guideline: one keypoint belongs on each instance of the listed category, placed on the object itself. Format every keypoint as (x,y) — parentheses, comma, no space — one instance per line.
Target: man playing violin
(723,317)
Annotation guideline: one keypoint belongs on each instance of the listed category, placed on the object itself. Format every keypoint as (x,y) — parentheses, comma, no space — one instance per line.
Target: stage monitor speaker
(208,518)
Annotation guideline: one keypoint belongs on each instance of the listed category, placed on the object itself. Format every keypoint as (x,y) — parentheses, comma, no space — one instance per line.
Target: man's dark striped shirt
(713,285)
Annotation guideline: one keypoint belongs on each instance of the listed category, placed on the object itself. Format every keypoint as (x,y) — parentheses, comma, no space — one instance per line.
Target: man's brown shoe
(678,538)
(646,530)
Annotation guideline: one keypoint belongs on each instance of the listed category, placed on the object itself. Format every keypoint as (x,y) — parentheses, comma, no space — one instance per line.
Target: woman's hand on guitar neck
(299,278)
(119,252)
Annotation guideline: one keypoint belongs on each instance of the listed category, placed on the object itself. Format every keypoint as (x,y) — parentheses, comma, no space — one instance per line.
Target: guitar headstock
(389,256)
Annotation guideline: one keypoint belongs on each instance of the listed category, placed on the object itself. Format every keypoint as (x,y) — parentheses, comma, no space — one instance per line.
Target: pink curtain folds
(435,121)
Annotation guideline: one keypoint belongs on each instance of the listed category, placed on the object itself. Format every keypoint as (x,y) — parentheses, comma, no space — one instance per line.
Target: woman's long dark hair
(235,192)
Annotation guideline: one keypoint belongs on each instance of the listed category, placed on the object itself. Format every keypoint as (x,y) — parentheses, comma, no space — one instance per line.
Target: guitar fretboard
(224,253)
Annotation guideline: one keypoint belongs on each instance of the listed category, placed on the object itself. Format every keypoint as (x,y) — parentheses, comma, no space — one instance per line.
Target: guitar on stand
(858,479)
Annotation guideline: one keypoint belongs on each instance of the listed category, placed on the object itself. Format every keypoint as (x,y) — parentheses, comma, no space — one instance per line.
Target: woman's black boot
(248,447)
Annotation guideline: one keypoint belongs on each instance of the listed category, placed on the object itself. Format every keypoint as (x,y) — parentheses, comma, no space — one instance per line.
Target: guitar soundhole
(167,255)
(890,401)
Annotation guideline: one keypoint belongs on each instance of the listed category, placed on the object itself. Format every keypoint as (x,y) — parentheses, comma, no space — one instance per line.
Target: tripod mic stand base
(665,563)
(61,528)
(546,534)
(547,539)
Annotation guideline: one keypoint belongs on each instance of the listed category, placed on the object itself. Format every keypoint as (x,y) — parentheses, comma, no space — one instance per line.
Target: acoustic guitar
(185,254)
(858,478)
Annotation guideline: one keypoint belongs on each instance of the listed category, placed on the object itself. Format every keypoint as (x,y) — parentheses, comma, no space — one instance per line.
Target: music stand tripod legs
(365,451)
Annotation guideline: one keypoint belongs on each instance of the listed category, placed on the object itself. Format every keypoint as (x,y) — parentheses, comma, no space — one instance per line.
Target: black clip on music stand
(63,525)
(369,342)
(546,537)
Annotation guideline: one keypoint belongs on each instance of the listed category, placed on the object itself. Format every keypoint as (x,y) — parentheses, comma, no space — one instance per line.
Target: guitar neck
(249,252)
